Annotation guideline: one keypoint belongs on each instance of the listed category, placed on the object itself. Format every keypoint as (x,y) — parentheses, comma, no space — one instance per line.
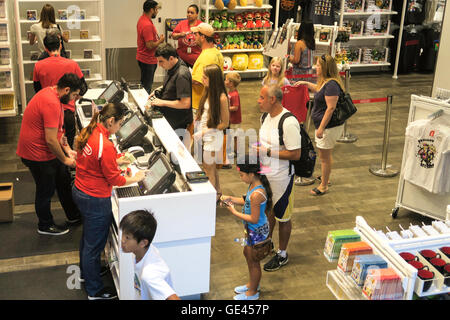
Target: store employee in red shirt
(188,49)
(42,149)
(147,41)
(48,71)
(97,172)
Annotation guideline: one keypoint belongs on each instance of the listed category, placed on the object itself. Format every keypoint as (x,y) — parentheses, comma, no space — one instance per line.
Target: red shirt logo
(432,133)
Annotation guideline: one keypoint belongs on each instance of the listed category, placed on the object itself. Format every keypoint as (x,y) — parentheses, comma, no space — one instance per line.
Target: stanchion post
(385,170)
(347,137)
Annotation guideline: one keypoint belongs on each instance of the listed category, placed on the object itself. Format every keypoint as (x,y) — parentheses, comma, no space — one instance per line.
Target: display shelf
(211,7)
(93,24)
(8,113)
(388,36)
(6,67)
(343,287)
(241,50)
(358,65)
(248,71)
(241,31)
(5,44)
(365,13)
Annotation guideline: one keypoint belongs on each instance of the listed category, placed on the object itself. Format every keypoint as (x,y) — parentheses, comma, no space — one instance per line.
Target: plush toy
(248,43)
(255,61)
(236,41)
(259,3)
(258,20)
(249,24)
(221,4)
(231,22)
(257,41)
(239,22)
(243,3)
(240,61)
(229,42)
(224,20)
(227,64)
(217,25)
(241,40)
(267,23)
(217,42)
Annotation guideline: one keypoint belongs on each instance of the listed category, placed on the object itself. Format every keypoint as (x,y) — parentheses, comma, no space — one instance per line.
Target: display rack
(208,8)
(93,68)
(8,103)
(410,196)
(344,288)
(363,19)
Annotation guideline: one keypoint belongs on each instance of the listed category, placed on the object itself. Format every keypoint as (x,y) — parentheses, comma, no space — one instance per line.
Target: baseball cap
(204,28)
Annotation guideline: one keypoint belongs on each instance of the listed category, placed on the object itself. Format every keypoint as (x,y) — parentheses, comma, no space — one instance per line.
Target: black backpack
(303,167)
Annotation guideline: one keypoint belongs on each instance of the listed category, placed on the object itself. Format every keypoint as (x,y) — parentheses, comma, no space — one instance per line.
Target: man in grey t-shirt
(173,99)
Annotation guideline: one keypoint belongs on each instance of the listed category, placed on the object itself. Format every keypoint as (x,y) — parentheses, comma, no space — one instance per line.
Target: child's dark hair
(141,224)
(249,164)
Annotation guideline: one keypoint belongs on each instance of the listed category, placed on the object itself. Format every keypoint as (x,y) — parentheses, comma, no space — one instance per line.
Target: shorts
(213,141)
(330,136)
(283,198)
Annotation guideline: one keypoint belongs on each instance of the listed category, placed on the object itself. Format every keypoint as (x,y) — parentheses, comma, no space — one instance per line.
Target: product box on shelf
(3,32)
(356,27)
(5,79)
(2,9)
(6,101)
(376,27)
(378,5)
(350,55)
(374,55)
(4,56)
(62,14)
(335,240)
(383,284)
(6,199)
(31,14)
(348,253)
(363,264)
(84,34)
(354,5)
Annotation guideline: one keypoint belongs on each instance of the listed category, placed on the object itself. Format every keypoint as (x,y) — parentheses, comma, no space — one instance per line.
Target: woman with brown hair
(46,24)
(329,86)
(212,118)
(97,172)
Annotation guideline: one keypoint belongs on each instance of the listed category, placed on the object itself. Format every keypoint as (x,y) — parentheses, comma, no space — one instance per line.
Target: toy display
(354,5)
(240,61)
(221,4)
(350,55)
(258,20)
(239,22)
(355,26)
(374,55)
(266,18)
(377,27)
(249,24)
(255,61)
(378,5)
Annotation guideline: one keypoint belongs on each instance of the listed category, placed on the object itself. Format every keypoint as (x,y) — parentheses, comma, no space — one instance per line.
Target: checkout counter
(185,212)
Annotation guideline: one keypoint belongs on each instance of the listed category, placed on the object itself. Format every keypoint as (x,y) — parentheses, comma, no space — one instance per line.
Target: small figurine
(239,21)
(267,23)
(248,41)
(217,25)
(241,41)
(257,37)
(229,41)
(224,20)
(231,22)
(258,20)
(217,42)
(236,41)
(249,24)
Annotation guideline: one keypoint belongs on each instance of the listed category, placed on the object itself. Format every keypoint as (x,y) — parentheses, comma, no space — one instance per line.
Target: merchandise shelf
(88,19)
(248,70)
(365,13)
(92,39)
(237,8)
(241,50)
(343,287)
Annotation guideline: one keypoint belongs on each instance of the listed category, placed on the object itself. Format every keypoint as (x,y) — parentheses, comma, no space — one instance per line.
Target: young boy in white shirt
(152,279)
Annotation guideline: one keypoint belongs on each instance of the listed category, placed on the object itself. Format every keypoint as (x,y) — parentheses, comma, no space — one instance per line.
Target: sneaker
(243,289)
(53,230)
(243,296)
(276,262)
(105,294)
(304,181)
(103,271)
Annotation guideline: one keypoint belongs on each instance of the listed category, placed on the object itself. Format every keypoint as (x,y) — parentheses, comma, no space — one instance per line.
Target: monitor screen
(110,91)
(155,173)
(130,126)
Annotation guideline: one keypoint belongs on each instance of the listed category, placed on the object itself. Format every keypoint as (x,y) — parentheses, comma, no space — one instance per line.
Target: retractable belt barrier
(308,75)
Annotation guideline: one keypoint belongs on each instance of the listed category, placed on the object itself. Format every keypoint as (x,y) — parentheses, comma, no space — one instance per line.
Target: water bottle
(241,241)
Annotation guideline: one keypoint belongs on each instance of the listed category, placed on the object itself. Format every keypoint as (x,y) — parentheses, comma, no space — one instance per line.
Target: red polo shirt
(43,111)
(97,169)
(48,72)
(187,42)
(146,31)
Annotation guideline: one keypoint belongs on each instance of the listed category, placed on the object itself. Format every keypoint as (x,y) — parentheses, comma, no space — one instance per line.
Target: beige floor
(355,192)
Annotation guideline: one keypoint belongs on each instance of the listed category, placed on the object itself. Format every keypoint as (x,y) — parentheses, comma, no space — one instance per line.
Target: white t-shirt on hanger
(428,155)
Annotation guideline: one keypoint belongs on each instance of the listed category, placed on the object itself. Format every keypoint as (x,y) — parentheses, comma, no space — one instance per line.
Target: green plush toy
(236,41)
(217,25)
(231,21)
(224,20)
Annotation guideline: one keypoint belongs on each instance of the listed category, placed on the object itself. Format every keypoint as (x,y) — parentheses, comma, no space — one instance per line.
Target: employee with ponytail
(97,172)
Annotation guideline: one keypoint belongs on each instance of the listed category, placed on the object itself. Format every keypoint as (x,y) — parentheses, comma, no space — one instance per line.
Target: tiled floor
(355,192)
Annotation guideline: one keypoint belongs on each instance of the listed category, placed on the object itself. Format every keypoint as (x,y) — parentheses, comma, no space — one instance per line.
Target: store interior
(33,266)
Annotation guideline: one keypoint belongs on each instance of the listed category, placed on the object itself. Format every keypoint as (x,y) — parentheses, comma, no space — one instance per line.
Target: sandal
(317,192)
(319,178)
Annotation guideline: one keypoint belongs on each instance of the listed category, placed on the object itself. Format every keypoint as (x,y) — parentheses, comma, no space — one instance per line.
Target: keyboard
(128,192)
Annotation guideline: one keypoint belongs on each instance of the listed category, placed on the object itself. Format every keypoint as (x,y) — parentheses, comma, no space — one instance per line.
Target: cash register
(160,176)
(132,131)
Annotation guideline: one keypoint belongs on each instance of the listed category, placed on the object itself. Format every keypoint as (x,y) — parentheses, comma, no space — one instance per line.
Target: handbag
(261,249)
(345,108)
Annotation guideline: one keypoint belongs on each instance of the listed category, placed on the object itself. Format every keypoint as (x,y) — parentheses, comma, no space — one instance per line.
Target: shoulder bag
(261,249)
(345,108)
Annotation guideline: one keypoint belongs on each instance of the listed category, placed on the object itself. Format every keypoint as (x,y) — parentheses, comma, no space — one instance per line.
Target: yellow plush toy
(221,4)
(255,61)
(243,3)
(258,3)
(232,4)
(240,61)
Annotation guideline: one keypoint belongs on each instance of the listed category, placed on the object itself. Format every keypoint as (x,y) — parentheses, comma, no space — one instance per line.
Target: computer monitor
(159,177)
(132,131)
(112,93)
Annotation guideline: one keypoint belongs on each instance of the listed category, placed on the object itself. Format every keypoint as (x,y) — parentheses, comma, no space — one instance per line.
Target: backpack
(303,167)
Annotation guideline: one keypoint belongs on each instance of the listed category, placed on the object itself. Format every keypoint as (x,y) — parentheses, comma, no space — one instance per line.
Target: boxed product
(376,27)
(383,284)
(6,202)
(4,56)
(6,103)
(2,9)
(3,32)
(363,264)
(5,79)
(355,26)
(350,55)
(354,5)
(348,253)
(378,5)
(84,34)
(374,55)
(335,240)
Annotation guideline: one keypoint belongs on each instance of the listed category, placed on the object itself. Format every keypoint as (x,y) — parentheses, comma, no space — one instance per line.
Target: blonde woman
(327,90)
(275,75)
